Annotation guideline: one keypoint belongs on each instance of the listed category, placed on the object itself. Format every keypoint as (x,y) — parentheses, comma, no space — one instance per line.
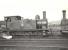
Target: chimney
(64,14)
(44,14)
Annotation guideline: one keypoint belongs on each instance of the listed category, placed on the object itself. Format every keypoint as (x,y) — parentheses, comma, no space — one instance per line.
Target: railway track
(54,43)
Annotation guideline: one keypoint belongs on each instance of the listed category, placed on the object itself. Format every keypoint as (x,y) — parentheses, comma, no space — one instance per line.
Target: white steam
(4,35)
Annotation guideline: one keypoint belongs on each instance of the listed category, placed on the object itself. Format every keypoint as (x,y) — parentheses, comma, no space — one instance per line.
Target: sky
(30,8)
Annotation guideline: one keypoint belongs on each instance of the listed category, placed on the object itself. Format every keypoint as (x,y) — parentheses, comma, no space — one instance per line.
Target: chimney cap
(64,10)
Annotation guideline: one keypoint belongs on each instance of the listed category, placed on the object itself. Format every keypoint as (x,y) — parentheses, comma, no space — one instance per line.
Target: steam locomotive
(64,24)
(15,26)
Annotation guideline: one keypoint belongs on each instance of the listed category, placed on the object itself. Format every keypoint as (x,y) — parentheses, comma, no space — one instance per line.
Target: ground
(34,43)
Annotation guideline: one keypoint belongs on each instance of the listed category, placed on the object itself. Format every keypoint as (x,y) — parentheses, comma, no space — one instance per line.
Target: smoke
(4,35)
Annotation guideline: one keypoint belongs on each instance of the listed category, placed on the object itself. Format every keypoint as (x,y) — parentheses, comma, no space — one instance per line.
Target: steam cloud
(4,35)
